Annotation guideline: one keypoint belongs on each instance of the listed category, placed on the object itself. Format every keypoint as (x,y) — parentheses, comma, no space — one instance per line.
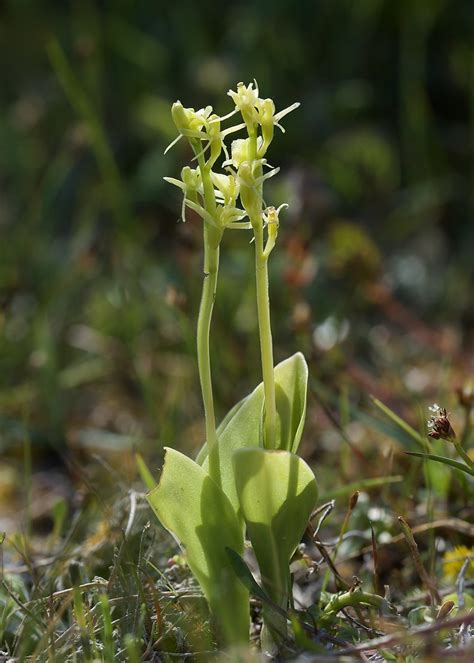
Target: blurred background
(100,282)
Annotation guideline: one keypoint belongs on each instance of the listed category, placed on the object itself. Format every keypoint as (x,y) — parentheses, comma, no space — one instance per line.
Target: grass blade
(442,459)
(398,421)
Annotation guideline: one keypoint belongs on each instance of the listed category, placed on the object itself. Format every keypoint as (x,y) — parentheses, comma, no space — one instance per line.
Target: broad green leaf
(199,515)
(242,428)
(201,458)
(291,386)
(277,492)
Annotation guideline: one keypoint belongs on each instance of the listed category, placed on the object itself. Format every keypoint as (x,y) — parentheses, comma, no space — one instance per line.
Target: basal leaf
(202,454)
(291,385)
(242,428)
(200,516)
(277,493)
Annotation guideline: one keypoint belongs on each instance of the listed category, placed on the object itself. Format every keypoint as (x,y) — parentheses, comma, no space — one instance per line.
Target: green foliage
(277,493)
(243,427)
(98,288)
(198,513)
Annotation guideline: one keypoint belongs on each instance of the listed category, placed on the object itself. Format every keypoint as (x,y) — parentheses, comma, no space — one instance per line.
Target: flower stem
(212,238)
(211,266)
(265,332)
(465,456)
(264,322)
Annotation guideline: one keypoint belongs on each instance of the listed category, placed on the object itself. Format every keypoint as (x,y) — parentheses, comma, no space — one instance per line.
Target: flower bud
(215,139)
(180,117)
(191,179)
(188,121)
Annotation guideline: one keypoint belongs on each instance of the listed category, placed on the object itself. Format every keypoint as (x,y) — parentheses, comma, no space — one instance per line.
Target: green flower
(190,184)
(268,120)
(246,99)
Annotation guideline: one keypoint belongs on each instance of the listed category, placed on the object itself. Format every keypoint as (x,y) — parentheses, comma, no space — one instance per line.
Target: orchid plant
(247,478)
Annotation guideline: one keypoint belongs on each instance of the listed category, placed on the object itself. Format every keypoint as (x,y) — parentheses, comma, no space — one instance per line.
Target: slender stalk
(212,238)
(211,266)
(265,333)
(465,456)
(264,321)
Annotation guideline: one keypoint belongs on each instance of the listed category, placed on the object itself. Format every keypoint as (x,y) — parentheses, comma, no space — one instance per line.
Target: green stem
(212,238)
(265,333)
(465,456)
(264,322)
(211,266)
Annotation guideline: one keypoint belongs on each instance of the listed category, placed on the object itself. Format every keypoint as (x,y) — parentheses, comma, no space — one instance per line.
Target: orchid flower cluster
(218,205)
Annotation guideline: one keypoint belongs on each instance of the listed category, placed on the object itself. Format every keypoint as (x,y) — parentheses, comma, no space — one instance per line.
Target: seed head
(439,426)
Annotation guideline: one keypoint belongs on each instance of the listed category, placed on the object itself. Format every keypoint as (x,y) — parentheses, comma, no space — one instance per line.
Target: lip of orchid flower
(271,215)
(271,219)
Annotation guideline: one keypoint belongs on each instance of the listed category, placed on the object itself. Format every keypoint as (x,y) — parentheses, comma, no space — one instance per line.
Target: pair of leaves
(274,491)
(277,492)
(242,427)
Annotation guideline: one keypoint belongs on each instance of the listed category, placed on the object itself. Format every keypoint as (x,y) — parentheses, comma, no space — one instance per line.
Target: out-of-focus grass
(99,286)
